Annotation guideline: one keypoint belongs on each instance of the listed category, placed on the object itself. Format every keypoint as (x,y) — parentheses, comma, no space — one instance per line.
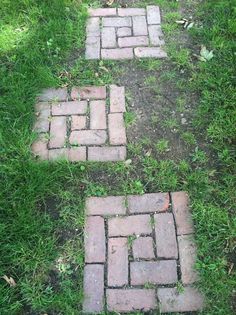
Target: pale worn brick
(69,108)
(58,154)
(130,300)
(93,289)
(124,31)
(42,117)
(116,127)
(77,154)
(94,240)
(108,37)
(140,25)
(102,12)
(155,272)
(153,14)
(173,301)
(155,35)
(116,21)
(39,147)
(103,154)
(125,226)
(117,53)
(154,202)
(166,244)
(53,94)
(112,205)
(133,41)
(117,99)
(131,11)
(57,132)
(149,52)
(88,137)
(98,115)
(89,92)
(143,248)
(182,214)
(117,262)
(93,27)
(78,122)
(93,47)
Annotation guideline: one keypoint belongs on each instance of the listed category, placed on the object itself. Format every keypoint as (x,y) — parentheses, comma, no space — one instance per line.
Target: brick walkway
(86,124)
(124,33)
(136,250)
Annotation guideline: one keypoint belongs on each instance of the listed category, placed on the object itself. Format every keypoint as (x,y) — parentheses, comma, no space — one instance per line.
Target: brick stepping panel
(136,250)
(86,124)
(124,33)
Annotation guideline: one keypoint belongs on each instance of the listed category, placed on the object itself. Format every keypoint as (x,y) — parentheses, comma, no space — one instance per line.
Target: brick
(102,12)
(112,205)
(58,154)
(182,214)
(125,226)
(154,202)
(52,94)
(140,25)
(69,108)
(130,300)
(77,154)
(108,37)
(94,240)
(172,301)
(89,92)
(42,117)
(93,27)
(88,137)
(93,47)
(155,272)
(124,31)
(93,289)
(103,154)
(133,41)
(116,127)
(116,21)
(117,53)
(117,262)
(187,258)
(78,122)
(152,52)
(155,35)
(166,244)
(57,132)
(131,11)
(39,147)
(153,14)
(143,248)
(117,99)
(98,115)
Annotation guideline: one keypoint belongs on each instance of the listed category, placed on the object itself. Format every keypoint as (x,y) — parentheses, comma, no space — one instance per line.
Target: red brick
(93,27)
(154,202)
(58,154)
(124,226)
(39,147)
(130,300)
(78,122)
(155,35)
(124,31)
(86,137)
(117,262)
(166,244)
(182,214)
(89,92)
(93,47)
(93,289)
(131,11)
(116,127)
(102,12)
(77,154)
(69,108)
(172,301)
(155,272)
(117,99)
(116,21)
(103,154)
(108,37)
(143,248)
(133,41)
(152,52)
(94,240)
(117,53)
(153,14)
(98,115)
(57,132)
(112,205)
(52,94)
(139,25)
(42,117)
(187,258)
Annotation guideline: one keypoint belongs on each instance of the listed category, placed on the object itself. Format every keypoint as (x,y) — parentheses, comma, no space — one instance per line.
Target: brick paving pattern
(124,33)
(86,124)
(136,250)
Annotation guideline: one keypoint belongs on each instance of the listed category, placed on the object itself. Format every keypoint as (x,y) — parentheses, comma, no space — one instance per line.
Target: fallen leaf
(10,281)
(128,162)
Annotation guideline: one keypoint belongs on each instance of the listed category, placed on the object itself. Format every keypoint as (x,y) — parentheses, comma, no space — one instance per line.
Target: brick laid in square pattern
(124,33)
(132,242)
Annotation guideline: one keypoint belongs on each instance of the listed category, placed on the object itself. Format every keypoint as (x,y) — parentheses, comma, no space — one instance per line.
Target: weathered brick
(182,214)
(93,27)
(131,11)
(125,226)
(154,202)
(93,47)
(58,154)
(133,41)
(39,147)
(117,262)
(117,99)
(98,115)
(42,117)
(93,289)
(104,154)
(166,244)
(116,127)
(102,12)
(172,301)
(94,240)
(89,92)
(130,300)
(116,21)
(140,25)
(108,37)
(111,205)
(77,154)
(187,258)
(69,108)
(52,94)
(124,31)
(155,272)
(155,35)
(153,14)
(78,122)
(143,248)
(87,137)
(57,132)
(117,53)
(152,52)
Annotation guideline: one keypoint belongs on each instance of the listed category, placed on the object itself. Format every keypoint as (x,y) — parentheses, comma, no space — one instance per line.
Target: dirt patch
(51,206)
